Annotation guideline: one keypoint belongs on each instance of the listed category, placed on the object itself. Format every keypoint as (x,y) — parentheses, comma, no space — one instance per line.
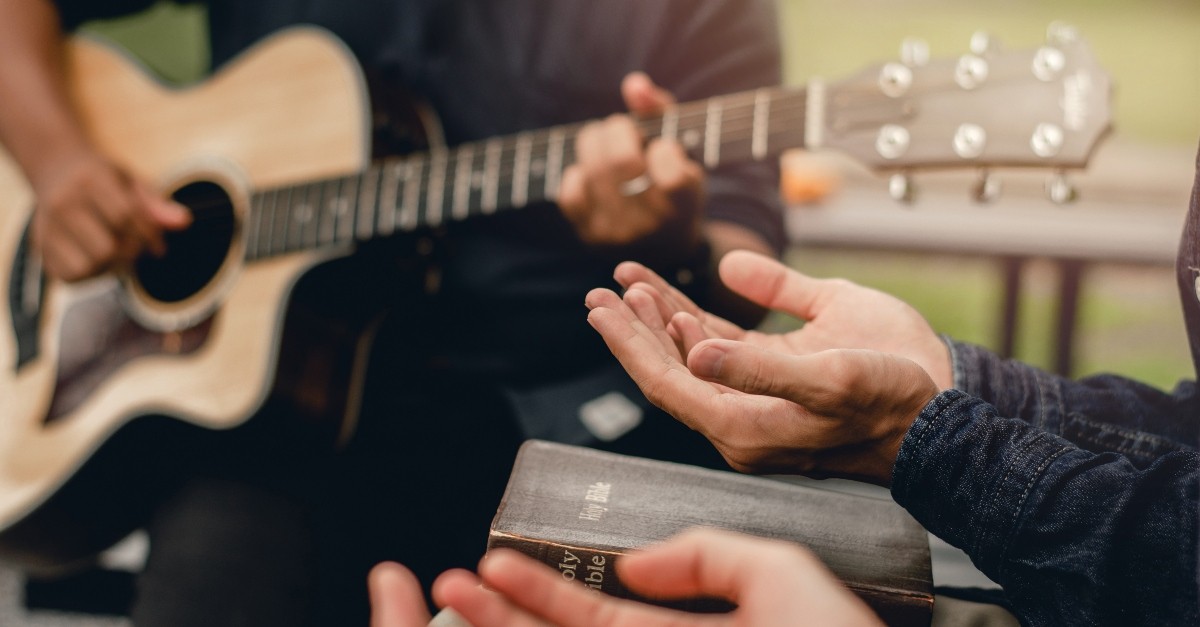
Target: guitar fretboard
(506,172)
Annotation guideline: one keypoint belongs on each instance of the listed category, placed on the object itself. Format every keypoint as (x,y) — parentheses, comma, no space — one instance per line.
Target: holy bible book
(578,509)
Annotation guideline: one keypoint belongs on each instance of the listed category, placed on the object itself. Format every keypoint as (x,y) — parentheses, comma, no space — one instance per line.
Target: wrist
(48,166)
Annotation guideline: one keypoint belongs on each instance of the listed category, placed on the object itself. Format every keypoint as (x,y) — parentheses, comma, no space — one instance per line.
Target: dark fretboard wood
(508,172)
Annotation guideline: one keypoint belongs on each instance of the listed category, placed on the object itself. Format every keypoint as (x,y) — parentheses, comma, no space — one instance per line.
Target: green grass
(168,38)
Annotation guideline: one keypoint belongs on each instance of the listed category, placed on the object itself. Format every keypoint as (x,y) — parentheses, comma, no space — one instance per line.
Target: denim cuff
(1015,389)
(965,474)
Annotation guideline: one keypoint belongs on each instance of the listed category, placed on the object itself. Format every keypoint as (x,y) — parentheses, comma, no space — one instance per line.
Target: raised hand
(837,313)
(826,400)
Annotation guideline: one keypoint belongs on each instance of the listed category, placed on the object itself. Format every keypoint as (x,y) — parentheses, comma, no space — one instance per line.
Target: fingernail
(180,211)
(707,361)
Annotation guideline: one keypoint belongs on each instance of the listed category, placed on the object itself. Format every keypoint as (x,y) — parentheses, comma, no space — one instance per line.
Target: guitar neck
(506,172)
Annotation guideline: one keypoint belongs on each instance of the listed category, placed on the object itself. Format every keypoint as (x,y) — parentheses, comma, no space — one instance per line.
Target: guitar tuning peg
(914,52)
(987,188)
(1061,34)
(982,43)
(1060,190)
(901,188)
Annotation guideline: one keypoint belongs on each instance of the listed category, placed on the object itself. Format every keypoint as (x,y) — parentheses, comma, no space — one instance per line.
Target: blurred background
(1128,317)
(1129,321)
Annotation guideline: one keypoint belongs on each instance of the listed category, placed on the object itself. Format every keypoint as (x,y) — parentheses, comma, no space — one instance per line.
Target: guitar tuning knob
(901,188)
(1060,190)
(914,52)
(982,43)
(987,188)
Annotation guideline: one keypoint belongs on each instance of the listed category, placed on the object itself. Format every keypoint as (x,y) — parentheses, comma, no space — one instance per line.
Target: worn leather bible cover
(578,509)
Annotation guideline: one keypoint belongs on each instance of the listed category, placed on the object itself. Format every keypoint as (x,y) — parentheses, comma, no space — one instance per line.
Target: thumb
(396,597)
(699,562)
(753,370)
(165,212)
(771,284)
(643,97)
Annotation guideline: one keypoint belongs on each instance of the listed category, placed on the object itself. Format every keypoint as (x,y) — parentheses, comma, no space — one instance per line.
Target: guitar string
(739,133)
(733,122)
(508,159)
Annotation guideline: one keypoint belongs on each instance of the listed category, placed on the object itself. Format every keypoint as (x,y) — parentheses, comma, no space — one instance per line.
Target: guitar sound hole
(194,255)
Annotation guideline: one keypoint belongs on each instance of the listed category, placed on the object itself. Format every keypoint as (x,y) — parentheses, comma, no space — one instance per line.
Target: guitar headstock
(1042,108)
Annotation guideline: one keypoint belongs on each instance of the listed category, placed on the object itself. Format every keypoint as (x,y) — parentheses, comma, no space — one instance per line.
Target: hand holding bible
(771,582)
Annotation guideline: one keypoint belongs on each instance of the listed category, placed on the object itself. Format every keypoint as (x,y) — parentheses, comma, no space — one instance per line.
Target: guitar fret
(712,134)
(554,162)
(297,216)
(312,230)
(280,221)
(344,209)
(291,239)
(366,205)
(762,107)
(670,124)
(437,188)
(462,181)
(412,190)
(327,218)
(253,221)
(520,192)
(435,195)
(389,188)
(289,221)
(283,220)
(317,194)
(268,224)
(814,115)
(490,196)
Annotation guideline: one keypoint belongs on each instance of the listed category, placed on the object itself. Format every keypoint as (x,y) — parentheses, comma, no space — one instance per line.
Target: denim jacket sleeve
(1079,498)
(1099,413)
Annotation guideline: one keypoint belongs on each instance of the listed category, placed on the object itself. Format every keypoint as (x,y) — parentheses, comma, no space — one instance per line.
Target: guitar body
(82,361)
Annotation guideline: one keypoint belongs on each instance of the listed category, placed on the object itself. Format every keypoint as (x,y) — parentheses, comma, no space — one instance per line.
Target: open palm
(836,313)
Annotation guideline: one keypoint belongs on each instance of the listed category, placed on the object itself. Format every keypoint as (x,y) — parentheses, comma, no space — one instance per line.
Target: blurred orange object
(807,178)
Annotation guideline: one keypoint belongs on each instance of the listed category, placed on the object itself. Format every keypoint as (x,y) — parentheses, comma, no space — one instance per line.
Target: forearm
(37,123)
(1073,537)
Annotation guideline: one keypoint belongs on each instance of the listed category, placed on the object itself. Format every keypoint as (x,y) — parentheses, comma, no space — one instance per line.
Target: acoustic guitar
(272,155)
